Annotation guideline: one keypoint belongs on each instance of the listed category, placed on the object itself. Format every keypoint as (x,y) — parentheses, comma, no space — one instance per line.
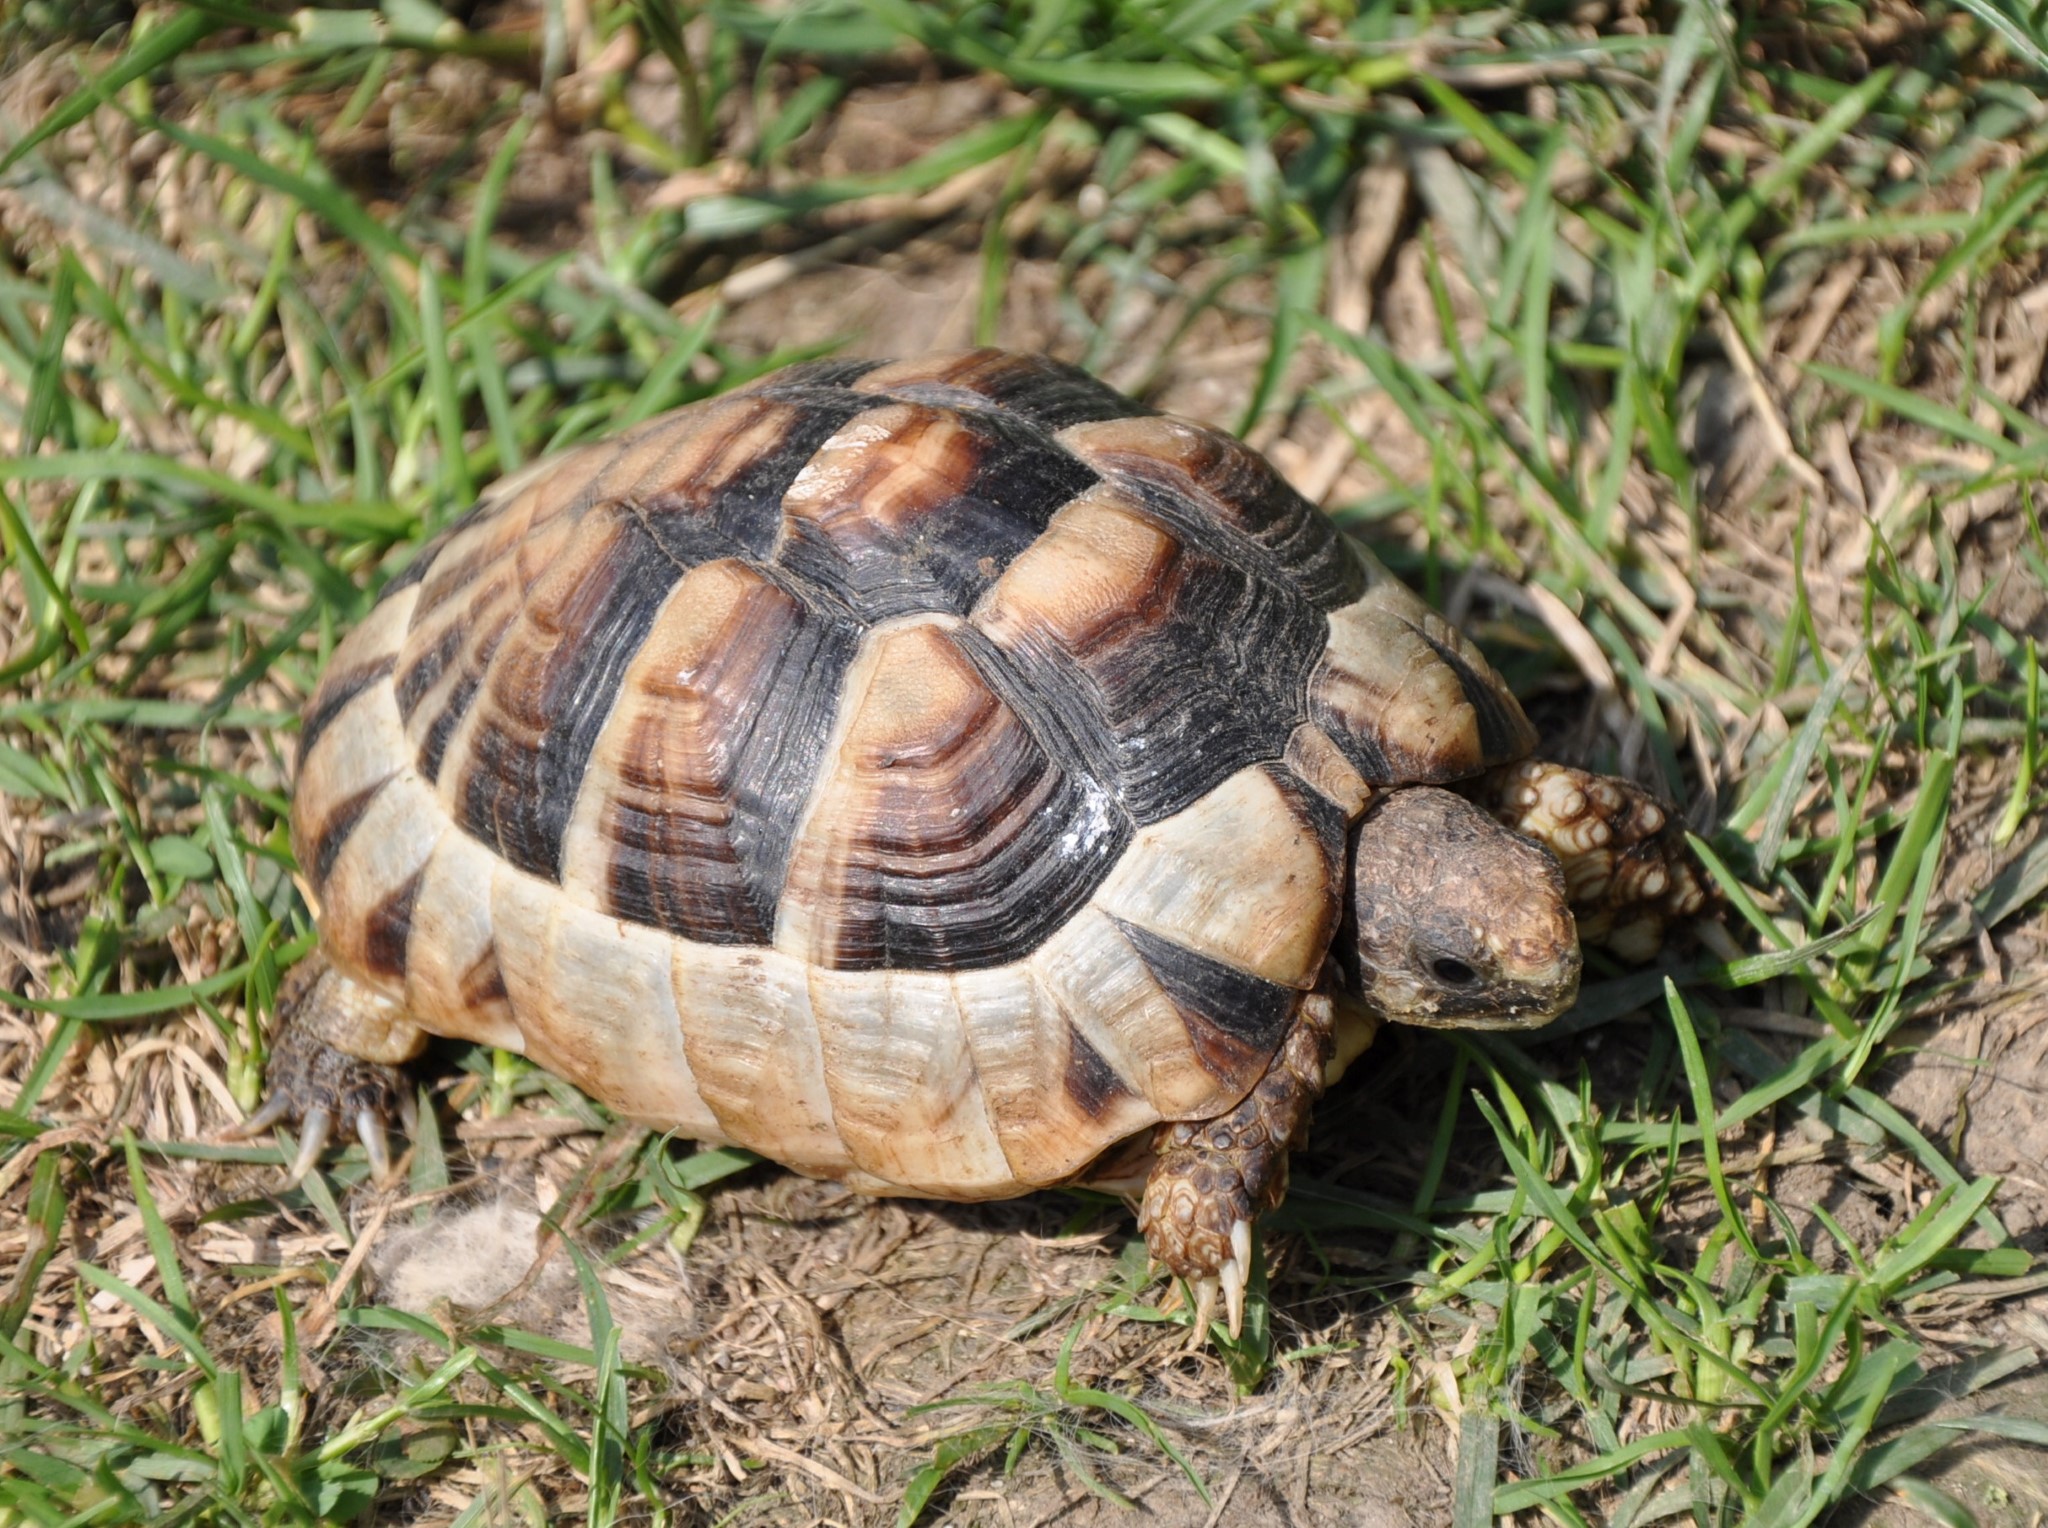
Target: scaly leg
(316,1080)
(1211,1178)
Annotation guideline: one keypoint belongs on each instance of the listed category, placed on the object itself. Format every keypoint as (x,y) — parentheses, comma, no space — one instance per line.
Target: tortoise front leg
(333,1061)
(1211,1178)
(1627,868)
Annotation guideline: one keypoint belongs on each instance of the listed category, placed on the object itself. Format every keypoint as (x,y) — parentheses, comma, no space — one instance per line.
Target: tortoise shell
(926,774)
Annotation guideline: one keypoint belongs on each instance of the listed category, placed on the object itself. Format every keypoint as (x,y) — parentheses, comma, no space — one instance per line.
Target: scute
(1172,663)
(1212,484)
(1406,699)
(553,684)
(912,507)
(949,836)
(700,779)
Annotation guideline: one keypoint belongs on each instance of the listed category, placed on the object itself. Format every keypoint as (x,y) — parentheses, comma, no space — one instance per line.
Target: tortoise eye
(1453,973)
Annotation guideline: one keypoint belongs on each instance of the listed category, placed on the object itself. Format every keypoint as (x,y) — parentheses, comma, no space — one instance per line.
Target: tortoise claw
(315,1131)
(1235,1273)
(376,1145)
(1211,1178)
(1205,1310)
(1228,1282)
(273,1110)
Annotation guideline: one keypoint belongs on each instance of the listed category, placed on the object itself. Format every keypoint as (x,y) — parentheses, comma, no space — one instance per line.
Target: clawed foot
(1198,1210)
(1212,1178)
(321,1090)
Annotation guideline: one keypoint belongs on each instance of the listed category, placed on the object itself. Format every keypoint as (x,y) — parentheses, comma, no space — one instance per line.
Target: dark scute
(720,882)
(434,747)
(1169,707)
(1233,1018)
(520,796)
(339,827)
(478,640)
(1262,522)
(946,558)
(932,888)
(1305,540)
(1056,395)
(389,926)
(332,698)
(453,577)
(744,516)
(905,913)
(1090,1080)
(1503,732)
(1049,393)
(815,374)
(682,876)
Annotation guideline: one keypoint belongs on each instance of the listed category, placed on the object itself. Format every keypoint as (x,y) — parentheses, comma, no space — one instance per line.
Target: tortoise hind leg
(334,1061)
(1627,869)
(1212,1178)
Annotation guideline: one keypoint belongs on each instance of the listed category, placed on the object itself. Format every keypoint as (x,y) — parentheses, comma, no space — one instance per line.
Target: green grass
(279,293)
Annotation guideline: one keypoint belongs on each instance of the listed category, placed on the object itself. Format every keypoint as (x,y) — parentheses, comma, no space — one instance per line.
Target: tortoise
(948,777)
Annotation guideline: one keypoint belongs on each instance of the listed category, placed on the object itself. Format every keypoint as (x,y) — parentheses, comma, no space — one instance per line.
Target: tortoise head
(1461,924)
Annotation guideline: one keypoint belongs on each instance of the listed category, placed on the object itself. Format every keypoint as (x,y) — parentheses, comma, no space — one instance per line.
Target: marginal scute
(756,1055)
(1091,1081)
(1091,970)
(372,881)
(1049,1077)
(1406,699)
(597,1004)
(453,970)
(1235,1020)
(907,1098)
(337,690)
(358,748)
(387,930)
(342,820)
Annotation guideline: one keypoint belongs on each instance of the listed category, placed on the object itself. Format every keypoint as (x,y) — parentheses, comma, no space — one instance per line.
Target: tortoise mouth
(1499,1012)
(1494,1005)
